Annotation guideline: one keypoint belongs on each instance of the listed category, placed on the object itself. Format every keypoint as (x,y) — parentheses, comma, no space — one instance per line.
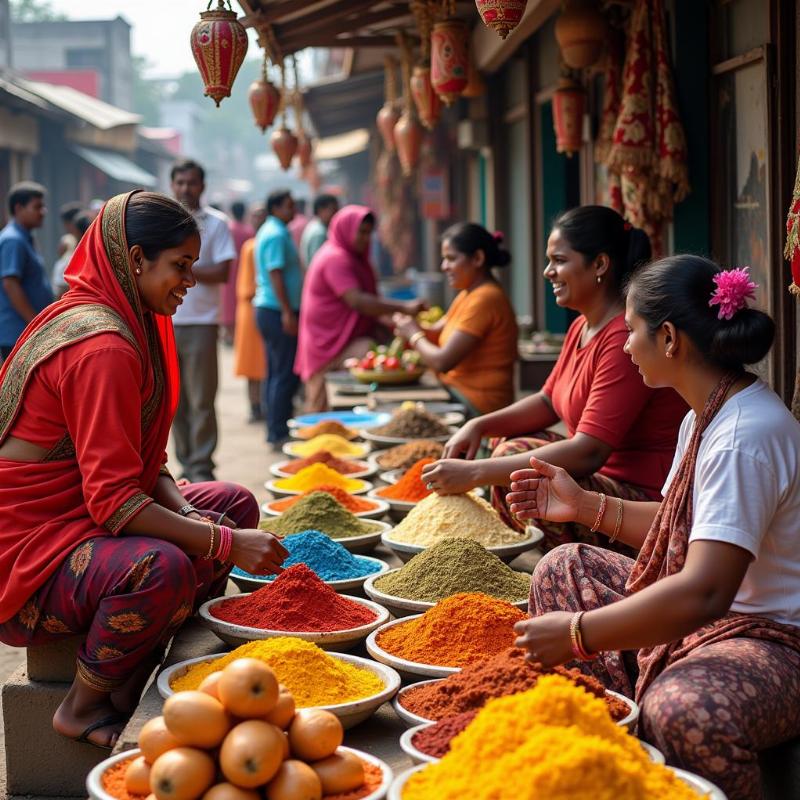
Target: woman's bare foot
(84,707)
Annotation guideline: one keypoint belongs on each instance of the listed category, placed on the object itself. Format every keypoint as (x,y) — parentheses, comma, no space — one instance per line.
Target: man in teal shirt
(279,284)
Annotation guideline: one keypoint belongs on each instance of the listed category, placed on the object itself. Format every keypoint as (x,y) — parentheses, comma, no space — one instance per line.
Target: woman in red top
(97,539)
(621,435)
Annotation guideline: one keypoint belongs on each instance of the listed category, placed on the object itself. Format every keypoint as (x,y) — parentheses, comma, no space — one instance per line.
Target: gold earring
(599,279)
(669,354)
(138,270)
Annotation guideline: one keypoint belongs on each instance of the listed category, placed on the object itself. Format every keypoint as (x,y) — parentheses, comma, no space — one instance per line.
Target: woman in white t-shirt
(704,626)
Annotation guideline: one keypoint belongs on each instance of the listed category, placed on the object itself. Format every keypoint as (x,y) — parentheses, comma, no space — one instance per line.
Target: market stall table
(344,391)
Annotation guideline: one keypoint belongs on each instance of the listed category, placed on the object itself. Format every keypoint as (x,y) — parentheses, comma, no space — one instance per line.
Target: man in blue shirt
(279,284)
(24,288)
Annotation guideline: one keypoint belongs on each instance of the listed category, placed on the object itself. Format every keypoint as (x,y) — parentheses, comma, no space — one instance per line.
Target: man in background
(298,222)
(316,232)
(196,325)
(279,284)
(24,287)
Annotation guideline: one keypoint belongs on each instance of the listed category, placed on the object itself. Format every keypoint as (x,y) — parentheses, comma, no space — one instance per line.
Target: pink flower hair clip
(734,288)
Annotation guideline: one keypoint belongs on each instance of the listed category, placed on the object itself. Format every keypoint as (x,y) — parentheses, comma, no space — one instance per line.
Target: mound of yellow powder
(463,516)
(555,741)
(312,676)
(337,445)
(315,475)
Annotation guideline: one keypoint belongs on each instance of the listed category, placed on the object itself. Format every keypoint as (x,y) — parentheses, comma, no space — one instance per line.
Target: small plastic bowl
(365,542)
(343,640)
(365,471)
(410,718)
(251,583)
(402,606)
(380,510)
(505,552)
(350,714)
(408,669)
(94,780)
(271,486)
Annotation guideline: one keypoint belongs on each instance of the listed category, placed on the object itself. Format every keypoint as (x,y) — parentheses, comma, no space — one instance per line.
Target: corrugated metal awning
(116,166)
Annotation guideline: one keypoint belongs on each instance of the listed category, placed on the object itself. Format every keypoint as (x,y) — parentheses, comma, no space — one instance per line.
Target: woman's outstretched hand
(258,552)
(544,492)
(546,638)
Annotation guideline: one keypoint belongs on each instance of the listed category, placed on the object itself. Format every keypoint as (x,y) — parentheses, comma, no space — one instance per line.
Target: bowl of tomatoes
(394,364)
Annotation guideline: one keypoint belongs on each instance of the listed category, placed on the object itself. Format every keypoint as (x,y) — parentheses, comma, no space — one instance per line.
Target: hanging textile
(792,254)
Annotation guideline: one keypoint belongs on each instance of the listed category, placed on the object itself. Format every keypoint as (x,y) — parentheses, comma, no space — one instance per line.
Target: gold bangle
(415,337)
(618,523)
(209,555)
(601,512)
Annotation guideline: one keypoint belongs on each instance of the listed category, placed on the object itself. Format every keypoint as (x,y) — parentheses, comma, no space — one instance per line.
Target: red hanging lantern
(502,16)
(305,149)
(581,32)
(475,85)
(408,136)
(386,120)
(429,107)
(265,100)
(569,101)
(219,45)
(285,145)
(449,59)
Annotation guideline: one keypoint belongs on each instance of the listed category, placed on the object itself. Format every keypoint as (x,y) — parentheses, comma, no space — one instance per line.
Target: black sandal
(105,722)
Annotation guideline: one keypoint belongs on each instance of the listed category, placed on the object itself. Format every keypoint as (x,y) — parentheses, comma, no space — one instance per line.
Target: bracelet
(186,510)
(210,554)
(618,523)
(415,337)
(225,543)
(578,649)
(600,513)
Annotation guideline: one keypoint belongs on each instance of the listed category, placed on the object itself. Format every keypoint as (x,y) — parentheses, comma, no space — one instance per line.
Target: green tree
(147,94)
(34,11)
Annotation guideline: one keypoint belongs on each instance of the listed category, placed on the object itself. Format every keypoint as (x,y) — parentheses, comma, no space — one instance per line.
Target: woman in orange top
(474,346)
(248,346)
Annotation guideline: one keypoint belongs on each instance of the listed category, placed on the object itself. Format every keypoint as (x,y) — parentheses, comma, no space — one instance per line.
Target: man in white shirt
(196,328)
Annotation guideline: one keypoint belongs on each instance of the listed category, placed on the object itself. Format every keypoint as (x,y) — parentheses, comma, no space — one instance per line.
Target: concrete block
(38,760)
(780,770)
(54,661)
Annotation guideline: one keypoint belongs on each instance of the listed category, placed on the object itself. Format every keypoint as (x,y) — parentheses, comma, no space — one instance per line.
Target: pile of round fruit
(396,357)
(243,724)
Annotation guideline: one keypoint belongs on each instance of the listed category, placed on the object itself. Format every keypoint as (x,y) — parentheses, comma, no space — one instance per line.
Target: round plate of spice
(403,456)
(332,442)
(449,567)
(296,603)
(314,476)
(507,672)
(550,738)
(455,633)
(350,469)
(358,506)
(331,426)
(359,417)
(349,686)
(465,516)
(407,424)
(321,511)
(331,561)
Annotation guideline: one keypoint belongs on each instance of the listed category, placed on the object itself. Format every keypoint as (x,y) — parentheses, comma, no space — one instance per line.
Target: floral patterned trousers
(710,712)
(556,533)
(128,594)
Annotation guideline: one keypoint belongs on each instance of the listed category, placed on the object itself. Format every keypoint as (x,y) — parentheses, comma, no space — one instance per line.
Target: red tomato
(392,362)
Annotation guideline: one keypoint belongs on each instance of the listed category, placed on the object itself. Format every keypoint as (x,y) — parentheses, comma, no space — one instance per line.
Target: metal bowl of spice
(354,469)
(380,440)
(339,640)
(505,552)
(350,713)
(402,606)
(358,487)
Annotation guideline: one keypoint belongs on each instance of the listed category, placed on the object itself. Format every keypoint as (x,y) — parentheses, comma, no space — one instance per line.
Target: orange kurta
(248,347)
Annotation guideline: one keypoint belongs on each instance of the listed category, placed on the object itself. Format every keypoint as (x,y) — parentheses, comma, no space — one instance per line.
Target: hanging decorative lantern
(305,149)
(386,120)
(449,59)
(219,45)
(475,84)
(581,32)
(285,145)
(429,107)
(265,100)
(408,136)
(502,16)
(569,101)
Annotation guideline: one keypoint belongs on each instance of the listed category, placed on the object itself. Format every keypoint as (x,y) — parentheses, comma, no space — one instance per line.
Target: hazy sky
(161,28)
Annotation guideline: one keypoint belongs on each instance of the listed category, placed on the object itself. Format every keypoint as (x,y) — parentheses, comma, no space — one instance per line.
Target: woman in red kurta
(621,435)
(96,537)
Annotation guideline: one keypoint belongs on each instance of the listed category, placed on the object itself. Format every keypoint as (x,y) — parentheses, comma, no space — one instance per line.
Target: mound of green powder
(452,566)
(319,512)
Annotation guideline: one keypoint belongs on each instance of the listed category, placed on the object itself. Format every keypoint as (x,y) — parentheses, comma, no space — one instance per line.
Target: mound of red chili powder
(296,601)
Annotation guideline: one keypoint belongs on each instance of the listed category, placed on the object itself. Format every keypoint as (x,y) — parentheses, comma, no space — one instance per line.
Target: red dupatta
(664,553)
(44,510)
